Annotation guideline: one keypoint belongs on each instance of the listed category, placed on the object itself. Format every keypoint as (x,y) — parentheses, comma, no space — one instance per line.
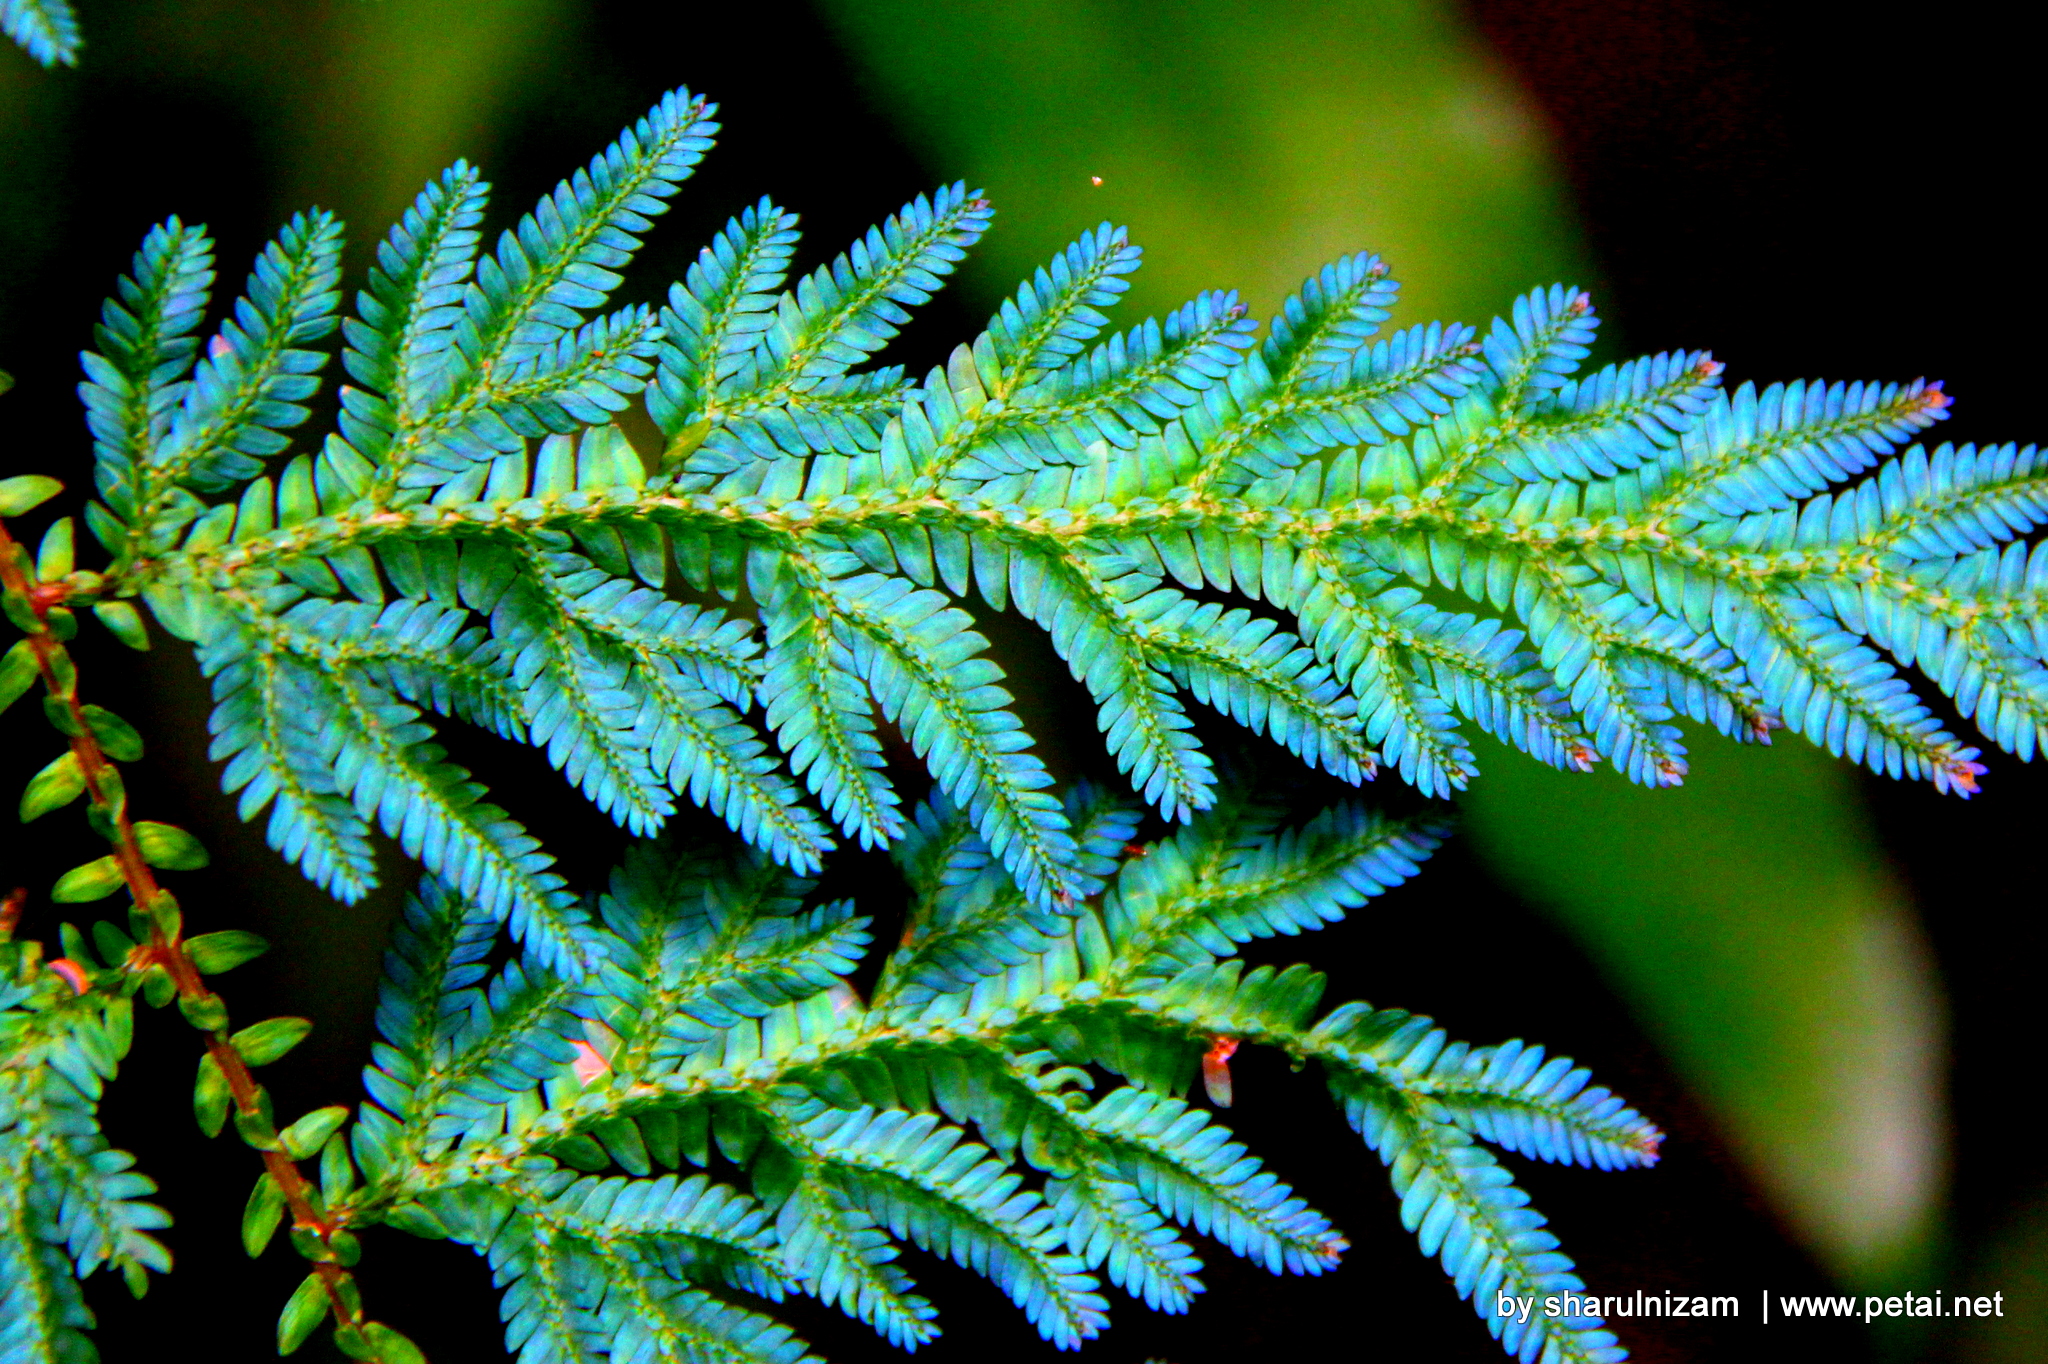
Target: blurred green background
(1786,940)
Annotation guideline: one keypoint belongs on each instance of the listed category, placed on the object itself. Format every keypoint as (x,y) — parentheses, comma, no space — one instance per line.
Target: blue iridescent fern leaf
(1356,543)
(70,1203)
(45,29)
(1360,543)
(813,1136)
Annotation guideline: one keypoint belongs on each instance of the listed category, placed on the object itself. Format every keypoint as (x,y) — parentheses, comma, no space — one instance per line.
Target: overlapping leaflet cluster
(46,29)
(69,1202)
(1284,529)
(812,1135)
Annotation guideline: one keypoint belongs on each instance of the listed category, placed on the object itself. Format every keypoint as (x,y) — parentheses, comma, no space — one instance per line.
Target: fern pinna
(706,551)
(45,29)
(719,1035)
(69,1203)
(480,540)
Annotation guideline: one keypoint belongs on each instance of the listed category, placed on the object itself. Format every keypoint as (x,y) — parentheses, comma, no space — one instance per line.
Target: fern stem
(166,948)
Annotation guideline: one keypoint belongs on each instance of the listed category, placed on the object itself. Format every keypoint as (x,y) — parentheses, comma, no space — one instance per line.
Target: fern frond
(251,386)
(579,696)
(1466,1212)
(1197,895)
(610,676)
(924,667)
(563,258)
(516,1033)
(43,1316)
(846,311)
(436,957)
(1539,345)
(971,920)
(516,356)
(69,1203)
(1261,677)
(679,1228)
(554,1289)
(723,1027)
(1324,325)
(374,754)
(1510,1095)
(1607,422)
(1341,538)
(845,1259)
(1121,390)
(1114,1229)
(921,1181)
(279,758)
(1259,424)
(710,754)
(1052,317)
(1191,1170)
(1096,614)
(420,651)
(406,317)
(980,401)
(1831,688)
(437,814)
(1636,546)
(672,1324)
(46,29)
(145,344)
(716,314)
(1952,502)
(816,706)
(1754,451)
(701,951)
(794,394)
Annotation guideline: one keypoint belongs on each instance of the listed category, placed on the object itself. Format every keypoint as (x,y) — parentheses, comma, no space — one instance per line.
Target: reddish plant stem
(167,950)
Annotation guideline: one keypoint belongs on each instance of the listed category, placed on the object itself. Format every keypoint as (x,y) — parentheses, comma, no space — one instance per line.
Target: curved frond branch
(1193,1172)
(1752,451)
(715,317)
(1110,1226)
(820,713)
(1466,1212)
(46,29)
(1819,678)
(925,669)
(405,319)
(145,345)
(842,1257)
(1087,609)
(844,312)
(1168,910)
(276,760)
(918,1179)
(252,384)
(1385,390)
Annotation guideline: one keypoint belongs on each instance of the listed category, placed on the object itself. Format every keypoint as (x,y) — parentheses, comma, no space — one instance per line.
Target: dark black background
(1811,191)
